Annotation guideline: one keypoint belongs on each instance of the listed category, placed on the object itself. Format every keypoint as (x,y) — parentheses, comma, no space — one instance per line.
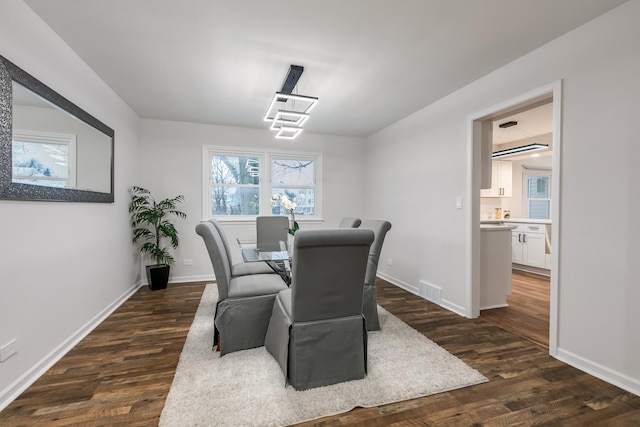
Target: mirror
(50,149)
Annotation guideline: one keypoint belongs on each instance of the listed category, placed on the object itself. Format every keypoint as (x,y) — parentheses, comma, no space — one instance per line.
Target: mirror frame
(10,190)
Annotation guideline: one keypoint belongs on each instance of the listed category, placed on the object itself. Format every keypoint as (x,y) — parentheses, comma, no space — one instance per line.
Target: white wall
(418,166)
(62,264)
(170,163)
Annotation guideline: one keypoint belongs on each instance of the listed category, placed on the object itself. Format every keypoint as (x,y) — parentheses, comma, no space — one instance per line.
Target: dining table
(279,261)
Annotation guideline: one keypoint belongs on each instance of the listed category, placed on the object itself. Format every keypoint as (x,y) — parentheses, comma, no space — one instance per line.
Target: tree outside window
(294,178)
(235,185)
(240,183)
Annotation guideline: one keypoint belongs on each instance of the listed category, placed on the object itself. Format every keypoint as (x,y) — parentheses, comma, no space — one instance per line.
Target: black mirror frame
(9,73)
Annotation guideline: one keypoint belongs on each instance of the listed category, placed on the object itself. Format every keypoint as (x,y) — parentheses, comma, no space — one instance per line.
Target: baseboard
(399,283)
(611,376)
(185,279)
(13,390)
(448,305)
(529,269)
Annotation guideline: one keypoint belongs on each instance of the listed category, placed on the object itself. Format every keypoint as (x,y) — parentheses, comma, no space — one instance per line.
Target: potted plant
(151,227)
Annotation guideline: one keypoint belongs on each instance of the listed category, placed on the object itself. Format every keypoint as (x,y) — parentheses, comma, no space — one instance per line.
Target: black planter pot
(158,276)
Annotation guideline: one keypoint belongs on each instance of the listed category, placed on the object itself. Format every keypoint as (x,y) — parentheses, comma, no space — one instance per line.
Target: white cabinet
(501,180)
(528,245)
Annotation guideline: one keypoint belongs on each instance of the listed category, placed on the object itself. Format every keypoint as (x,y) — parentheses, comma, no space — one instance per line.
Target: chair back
(349,222)
(380,229)
(218,256)
(270,231)
(328,273)
(223,237)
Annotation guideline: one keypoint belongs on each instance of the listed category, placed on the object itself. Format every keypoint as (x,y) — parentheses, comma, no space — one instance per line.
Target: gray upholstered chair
(244,303)
(317,332)
(270,231)
(370,301)
(349,222)
(240,268)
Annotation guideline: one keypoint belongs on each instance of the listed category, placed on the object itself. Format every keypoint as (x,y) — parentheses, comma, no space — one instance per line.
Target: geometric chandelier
(288,112)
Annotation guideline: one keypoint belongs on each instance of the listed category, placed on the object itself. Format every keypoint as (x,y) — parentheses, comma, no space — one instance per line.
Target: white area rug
(247,388)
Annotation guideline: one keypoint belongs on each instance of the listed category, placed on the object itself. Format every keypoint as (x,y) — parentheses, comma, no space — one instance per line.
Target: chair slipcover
(370,301)
(244,303)
(270,231)
(317,332)
(240,268)
(349,222)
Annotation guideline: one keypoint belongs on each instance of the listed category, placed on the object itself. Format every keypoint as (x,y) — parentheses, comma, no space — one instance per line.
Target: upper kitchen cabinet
(501,180)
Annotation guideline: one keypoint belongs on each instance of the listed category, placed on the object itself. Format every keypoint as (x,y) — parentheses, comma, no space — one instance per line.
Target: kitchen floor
(528,312)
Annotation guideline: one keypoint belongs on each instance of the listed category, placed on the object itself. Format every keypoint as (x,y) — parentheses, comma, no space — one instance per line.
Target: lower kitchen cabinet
(528,245)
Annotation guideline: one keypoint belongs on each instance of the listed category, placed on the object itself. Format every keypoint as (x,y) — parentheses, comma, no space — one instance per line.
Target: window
(537,194)
(240,184)
(44,158)
(295,178)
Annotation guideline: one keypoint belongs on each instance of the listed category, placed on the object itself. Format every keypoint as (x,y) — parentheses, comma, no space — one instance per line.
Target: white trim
(13,390)
(611,376)
(446,304)
(472,280)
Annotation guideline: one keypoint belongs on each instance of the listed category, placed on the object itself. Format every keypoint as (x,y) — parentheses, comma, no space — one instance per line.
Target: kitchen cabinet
(501,180)
(528,245)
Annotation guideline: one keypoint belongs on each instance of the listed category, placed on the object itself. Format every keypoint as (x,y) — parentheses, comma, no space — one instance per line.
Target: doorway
(480,148)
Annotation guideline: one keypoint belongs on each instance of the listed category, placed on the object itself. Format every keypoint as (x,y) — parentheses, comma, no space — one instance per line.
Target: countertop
(518,220)
(496,227)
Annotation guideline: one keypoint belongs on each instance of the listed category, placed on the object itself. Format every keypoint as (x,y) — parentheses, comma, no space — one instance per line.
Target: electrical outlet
(187,262)
(389,261)
(8,350)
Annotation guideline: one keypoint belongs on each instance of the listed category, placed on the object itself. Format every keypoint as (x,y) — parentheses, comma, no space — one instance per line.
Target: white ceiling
(531,123)
(370,62)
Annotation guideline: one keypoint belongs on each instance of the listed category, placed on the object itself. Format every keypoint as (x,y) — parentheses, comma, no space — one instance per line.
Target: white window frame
(265,156)
(525,189)
(37,137)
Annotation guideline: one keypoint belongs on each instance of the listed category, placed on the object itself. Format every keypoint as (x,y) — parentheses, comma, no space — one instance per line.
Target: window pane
(539,209)
(235,170)
(235,200)
(40,160)
(293,173)
(304,198)
(538,187)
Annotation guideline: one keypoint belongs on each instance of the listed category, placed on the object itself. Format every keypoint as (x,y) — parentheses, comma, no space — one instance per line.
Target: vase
(290,240)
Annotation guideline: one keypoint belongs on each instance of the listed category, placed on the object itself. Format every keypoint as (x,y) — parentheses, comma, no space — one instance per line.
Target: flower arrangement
(290,206)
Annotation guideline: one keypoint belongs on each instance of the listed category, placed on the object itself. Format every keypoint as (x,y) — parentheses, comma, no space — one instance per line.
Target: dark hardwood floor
(528,312)
(120,374)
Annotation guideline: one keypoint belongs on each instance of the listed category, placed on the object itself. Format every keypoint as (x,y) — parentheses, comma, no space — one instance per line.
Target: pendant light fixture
(288,111)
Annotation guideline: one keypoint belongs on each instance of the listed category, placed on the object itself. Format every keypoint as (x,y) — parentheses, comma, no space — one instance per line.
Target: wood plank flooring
(121,373)
(528,312)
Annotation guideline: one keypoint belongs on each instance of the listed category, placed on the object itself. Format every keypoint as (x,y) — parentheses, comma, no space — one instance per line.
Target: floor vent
(430,292)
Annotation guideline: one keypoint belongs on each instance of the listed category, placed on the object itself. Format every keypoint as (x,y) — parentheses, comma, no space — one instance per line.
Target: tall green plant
(150,223)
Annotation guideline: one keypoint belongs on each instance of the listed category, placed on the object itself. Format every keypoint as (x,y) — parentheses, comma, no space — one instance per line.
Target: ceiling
(370,62)
(530,123)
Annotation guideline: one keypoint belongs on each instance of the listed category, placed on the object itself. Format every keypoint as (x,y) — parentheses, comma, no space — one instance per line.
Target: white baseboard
(184,279)
(13,390)
(611,376)
(448,305)
(530,269)
(457,309)
(399,283)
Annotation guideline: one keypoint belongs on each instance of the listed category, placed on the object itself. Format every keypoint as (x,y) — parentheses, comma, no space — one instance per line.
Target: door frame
(475,135)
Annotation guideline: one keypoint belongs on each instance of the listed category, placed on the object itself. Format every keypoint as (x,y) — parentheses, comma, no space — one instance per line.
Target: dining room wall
(418,167)
(64,265)
(171,164)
